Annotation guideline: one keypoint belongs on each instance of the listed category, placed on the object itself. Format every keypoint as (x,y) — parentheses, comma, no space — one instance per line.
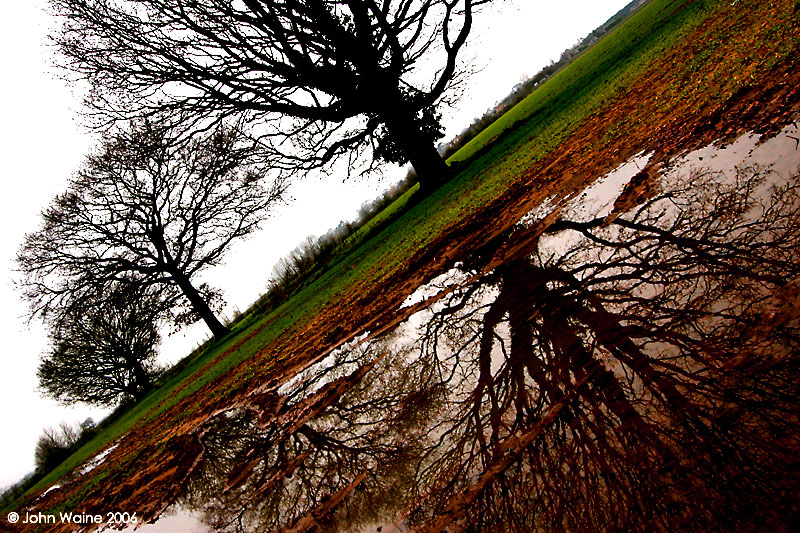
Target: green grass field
(490,165)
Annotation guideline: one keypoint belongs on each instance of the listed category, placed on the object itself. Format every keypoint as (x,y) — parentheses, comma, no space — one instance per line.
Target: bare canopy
(350,75)
(145,207)
(104,347)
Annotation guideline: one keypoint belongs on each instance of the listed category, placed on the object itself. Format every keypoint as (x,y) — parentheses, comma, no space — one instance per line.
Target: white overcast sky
(42,142)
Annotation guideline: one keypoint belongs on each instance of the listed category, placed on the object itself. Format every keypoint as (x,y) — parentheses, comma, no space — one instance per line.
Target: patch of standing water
(175,520)
(91,465)
(449,279)
(597,200)
(50,489)
(319,367)
(539,212)
(88,467)
(781,153)
(431,289)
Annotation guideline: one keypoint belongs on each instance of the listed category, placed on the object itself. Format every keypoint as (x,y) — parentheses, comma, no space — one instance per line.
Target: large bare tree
(143,206)
(350,74)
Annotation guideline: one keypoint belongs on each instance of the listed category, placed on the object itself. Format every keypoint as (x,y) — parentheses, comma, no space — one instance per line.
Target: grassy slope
(497,158)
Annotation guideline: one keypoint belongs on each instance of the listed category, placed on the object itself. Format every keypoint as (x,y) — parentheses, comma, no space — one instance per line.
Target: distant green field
(569,95)
(493,161)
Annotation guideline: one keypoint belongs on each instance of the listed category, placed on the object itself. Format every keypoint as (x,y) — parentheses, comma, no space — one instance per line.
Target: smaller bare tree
(104,348)
(55,445)
(148,207)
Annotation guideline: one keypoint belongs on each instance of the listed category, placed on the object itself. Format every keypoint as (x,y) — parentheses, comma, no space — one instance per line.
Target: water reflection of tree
(643,375)
(341,440)
(657,351)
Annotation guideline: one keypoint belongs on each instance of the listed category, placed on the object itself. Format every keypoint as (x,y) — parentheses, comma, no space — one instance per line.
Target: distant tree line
(315,253)
(56,444)
(53,446)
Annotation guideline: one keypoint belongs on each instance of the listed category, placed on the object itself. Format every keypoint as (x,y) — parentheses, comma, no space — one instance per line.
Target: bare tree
(145,207)
(351,75)
(104,348)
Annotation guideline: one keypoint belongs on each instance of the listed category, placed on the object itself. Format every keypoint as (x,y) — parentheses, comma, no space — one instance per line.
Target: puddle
(49,490)
(87,467)
(96,460)
(453,277)
(597,199)
(175,520)
(336,356)
(781,153)
(590,382)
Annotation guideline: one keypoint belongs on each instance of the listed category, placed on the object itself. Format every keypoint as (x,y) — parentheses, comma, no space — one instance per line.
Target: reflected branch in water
(689,412)
(335,451)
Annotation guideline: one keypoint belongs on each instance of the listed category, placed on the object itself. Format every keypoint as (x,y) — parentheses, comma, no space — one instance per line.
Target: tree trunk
(418,146)
(200,305)
(142,383)
(431,169)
